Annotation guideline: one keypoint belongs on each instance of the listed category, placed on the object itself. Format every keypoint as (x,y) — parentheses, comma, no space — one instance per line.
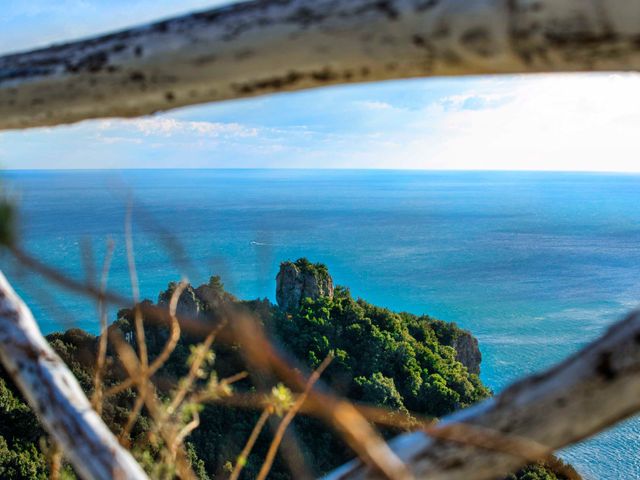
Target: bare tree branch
(267,46)
(587,393)
(55,395)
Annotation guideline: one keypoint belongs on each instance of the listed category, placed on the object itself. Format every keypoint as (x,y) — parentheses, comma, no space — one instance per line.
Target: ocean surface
(534,264)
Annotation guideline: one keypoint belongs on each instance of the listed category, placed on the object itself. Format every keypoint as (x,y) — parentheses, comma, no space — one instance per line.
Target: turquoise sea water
(534,264)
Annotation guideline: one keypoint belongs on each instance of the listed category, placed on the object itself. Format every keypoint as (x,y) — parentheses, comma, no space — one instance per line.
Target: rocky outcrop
(212,295)
(302,279)
(462,341)
(189,305)
(467,351)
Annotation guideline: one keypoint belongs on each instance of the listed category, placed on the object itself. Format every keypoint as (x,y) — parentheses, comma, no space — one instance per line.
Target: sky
(578,122)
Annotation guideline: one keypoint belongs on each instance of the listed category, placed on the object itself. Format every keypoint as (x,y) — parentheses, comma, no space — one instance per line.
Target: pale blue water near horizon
(534,264)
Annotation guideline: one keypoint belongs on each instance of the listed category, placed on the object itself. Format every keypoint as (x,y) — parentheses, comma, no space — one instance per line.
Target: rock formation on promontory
(302,279)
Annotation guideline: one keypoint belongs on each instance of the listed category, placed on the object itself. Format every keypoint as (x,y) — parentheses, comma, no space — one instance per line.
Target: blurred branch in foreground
(54,393)
(255,48)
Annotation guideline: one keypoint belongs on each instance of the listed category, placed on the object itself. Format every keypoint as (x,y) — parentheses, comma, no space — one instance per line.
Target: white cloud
(167,127)
(565,122)
(374,105)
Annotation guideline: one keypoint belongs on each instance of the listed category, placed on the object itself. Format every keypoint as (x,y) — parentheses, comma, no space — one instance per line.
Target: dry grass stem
(341,414)
(244,455)
(54,460)
(96,400)
(168,349)
(135,289)
(147,392)
(192,376)
(131,419)
(288,418)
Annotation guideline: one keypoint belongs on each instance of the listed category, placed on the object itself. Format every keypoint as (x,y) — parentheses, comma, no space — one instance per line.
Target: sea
(535,264)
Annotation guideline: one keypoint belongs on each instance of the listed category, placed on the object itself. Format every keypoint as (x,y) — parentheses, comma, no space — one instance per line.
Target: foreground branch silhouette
(55,395)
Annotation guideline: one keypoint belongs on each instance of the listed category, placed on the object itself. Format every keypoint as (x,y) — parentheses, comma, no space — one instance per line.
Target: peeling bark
(587,393)
(55,395)
(268,46)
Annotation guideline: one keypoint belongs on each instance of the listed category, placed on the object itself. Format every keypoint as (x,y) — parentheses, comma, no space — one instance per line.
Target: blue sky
(565,122)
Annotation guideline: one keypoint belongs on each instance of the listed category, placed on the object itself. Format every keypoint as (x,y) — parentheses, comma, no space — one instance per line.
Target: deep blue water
(534,264)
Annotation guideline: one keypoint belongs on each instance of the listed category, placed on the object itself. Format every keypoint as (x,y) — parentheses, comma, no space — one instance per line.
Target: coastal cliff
(468,351)
(395,360)
(302,279)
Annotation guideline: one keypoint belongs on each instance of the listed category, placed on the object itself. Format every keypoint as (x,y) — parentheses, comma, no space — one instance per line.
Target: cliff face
(467,351)
(299,280)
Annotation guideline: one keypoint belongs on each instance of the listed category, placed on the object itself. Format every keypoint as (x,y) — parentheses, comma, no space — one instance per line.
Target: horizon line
(311,169)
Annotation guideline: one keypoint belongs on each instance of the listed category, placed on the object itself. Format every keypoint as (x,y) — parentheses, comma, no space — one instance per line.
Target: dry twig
(288,418)
(244,455)
(96,399)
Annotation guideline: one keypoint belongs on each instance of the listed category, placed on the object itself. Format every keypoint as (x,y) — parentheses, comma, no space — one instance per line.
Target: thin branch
(462,433)
(172,341)
(339,413)
(206,396)
(185,432)
(186,384)
(288,418)
(241,461)
(174,335)
(96,399)
(132,418)
(147,392)
(135,290)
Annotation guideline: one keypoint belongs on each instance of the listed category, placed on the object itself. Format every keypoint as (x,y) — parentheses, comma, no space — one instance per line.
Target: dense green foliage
(382,357)
(395,360)
(7,222)
(20,434)
(556,469)
(318,270)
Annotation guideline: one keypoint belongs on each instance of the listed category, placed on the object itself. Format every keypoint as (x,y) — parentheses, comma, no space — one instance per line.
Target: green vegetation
(318,270)
(549,471)
(395,360)
(382,357)
(7,222)
(20,433)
